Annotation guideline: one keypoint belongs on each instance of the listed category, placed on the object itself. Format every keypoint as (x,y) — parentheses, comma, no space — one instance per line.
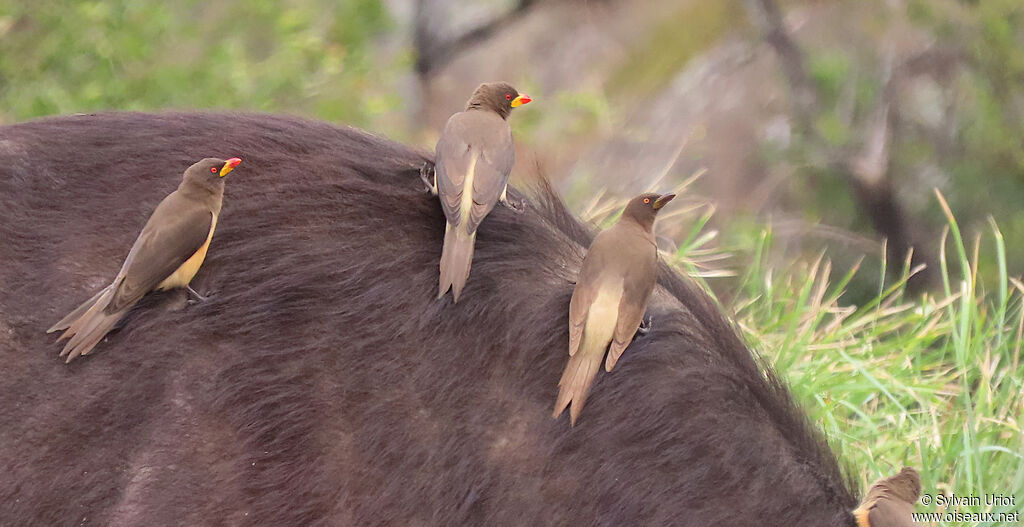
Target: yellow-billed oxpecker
(473,160)
(890,501)
(167,254)
(608,303)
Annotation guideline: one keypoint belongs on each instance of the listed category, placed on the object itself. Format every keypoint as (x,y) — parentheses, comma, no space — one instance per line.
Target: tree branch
(769,19)
(434,53)
(866,171)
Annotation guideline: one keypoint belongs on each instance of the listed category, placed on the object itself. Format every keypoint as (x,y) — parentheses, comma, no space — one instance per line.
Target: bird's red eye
(647,200)
(508,96)
(213,170)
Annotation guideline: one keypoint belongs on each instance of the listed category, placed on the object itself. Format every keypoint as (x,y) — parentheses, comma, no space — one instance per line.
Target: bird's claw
(645,325)
(427,175)
(517,206)
(196,297)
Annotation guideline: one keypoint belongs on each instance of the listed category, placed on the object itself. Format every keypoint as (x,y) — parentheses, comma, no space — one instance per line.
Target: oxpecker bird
(890,501)
(473,160)
(610,298)
(167,254)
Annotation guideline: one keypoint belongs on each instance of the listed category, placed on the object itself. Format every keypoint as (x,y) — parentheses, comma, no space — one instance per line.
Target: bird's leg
(518,206)
(645,325)
(197,296)
(429,177)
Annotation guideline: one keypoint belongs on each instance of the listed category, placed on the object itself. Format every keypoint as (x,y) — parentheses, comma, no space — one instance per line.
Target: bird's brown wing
(176,230)
(636,292)
(474,141)
(890,513)
(451,164)
(492,173)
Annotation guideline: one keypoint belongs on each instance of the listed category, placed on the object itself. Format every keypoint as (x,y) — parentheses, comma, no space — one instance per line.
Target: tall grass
(933,382)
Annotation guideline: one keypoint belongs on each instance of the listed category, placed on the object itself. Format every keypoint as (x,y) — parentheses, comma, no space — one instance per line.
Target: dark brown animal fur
(323,384)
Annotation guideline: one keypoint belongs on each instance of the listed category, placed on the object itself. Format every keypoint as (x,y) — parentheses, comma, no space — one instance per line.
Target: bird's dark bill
(662,201)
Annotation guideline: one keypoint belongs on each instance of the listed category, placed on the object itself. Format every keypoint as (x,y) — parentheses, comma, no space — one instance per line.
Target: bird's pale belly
(603,315)
(184,274)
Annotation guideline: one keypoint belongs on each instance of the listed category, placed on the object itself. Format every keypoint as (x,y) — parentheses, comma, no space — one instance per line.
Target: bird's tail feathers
(456,259)
(91,326)
(574,387)
(71,317)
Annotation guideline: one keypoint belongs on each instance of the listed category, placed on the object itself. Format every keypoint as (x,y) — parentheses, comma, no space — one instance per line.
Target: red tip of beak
(234,162)
(523,98)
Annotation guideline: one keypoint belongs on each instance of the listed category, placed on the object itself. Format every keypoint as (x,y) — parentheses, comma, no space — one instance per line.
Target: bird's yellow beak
(663,200)
(230,165)
(520,100)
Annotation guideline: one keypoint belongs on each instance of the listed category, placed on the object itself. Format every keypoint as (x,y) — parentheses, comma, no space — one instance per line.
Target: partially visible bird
(608,304)
(890,501)
(473,160)
(167,254)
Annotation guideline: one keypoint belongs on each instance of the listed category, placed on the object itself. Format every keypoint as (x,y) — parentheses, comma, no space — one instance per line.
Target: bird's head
(211,170)
(499,97)
(906,485)
(644,208)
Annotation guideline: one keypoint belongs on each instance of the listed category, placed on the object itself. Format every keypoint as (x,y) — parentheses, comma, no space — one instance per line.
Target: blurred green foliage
(960,124)
(310,57)
(984,161)
(693,28)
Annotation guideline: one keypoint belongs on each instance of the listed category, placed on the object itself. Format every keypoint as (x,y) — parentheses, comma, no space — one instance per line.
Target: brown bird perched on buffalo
(166,255)
(473,160)
(890,501)
(608,304)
